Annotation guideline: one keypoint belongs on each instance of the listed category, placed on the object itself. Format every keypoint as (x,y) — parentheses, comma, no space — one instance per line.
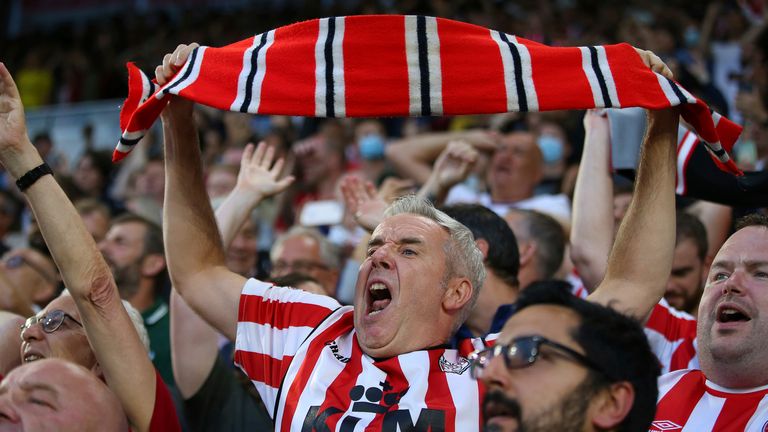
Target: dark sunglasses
(50,322)
(523,352)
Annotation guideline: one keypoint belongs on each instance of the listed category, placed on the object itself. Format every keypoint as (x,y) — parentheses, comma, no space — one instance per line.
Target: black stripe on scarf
(600,78)
(421,37)
(677,91)
(329,93)
(129,142)
(522,99)
(252,73)
(187,72)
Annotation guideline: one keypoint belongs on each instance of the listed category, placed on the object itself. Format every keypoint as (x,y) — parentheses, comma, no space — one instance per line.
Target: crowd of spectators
(536,190)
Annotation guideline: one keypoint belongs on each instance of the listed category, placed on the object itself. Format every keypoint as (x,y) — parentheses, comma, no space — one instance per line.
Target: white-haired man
(380,364)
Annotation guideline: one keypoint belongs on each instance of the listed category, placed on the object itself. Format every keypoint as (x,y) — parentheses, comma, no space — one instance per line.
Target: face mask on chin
(372,147)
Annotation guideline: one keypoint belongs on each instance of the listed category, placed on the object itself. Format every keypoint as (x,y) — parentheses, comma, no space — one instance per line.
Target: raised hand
(172,63)
(454,164)
(16,152)
(260,173)
(362,201)
(13,127)
(654,62)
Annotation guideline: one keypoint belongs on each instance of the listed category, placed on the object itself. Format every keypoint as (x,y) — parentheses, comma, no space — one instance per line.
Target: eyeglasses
(16,261)
(299,266)
(523,352)
(50,322)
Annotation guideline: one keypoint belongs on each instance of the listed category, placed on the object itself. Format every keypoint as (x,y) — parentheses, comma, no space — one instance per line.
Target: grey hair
(329,252)
(136,319)
(462,257)
(138,323)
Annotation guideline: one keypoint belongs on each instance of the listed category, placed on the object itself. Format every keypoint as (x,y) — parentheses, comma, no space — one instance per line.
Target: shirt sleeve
(164,418)
(273,322)
(672,336)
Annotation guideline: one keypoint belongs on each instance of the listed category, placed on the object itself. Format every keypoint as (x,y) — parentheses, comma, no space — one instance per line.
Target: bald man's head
(53,394)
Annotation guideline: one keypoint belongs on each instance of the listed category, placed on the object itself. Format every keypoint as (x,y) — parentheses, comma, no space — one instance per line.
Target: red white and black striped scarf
(394,65)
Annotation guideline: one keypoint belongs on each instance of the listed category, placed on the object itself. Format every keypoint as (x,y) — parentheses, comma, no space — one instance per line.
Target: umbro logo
(664,425)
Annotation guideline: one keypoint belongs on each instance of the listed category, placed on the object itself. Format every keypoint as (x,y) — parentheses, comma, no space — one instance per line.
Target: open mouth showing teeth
(727,315)
(380,297)
(32,357)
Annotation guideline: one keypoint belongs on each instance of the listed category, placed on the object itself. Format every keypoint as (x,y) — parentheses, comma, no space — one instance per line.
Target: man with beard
(380,364)
(563,363)
(133,248)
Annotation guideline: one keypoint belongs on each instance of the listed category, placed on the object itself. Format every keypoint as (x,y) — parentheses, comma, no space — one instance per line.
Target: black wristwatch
(31,176)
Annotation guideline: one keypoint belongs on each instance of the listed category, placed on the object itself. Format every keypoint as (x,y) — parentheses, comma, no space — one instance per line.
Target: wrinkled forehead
(64,302)
(749,244)
(409,225)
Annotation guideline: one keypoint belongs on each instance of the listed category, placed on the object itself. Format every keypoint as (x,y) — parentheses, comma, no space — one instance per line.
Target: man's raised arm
(193,248)
(120,354)
(641,259)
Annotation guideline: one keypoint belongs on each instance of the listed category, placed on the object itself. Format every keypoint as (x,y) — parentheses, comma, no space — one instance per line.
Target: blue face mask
(371,147)
(551,148)
(691,37)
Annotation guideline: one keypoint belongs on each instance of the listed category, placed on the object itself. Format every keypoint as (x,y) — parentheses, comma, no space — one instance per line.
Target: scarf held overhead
(395,65)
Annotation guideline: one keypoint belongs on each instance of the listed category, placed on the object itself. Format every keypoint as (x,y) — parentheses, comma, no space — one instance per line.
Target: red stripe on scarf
(289,83)
(387,87)
(457,63)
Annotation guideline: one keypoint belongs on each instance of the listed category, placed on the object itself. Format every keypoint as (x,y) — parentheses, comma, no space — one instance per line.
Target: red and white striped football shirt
(688,402)
(672,335)
(301,352)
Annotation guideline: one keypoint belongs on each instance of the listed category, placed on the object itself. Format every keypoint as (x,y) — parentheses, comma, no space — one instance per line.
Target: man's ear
(611,406)
(152,264)
(483,245)
(527,252)
(458,293)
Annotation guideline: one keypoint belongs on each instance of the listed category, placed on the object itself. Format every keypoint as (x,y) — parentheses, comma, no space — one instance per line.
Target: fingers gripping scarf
(394,65)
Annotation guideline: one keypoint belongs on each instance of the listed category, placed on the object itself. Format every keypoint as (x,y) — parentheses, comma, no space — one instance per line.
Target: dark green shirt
(158,323)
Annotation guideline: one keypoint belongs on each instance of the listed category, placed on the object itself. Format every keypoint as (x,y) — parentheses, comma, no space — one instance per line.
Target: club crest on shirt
(454,368)
(765,427)
(664,425)
(334,347)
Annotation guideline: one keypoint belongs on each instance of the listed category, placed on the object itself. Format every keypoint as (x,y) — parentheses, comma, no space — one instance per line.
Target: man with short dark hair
(568,364)
(730,388)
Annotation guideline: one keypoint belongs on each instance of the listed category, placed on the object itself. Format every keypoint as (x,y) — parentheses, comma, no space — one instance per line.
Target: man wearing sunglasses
(563,363)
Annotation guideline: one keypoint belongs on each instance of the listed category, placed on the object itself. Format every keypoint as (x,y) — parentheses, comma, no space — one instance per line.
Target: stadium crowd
(539,271)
